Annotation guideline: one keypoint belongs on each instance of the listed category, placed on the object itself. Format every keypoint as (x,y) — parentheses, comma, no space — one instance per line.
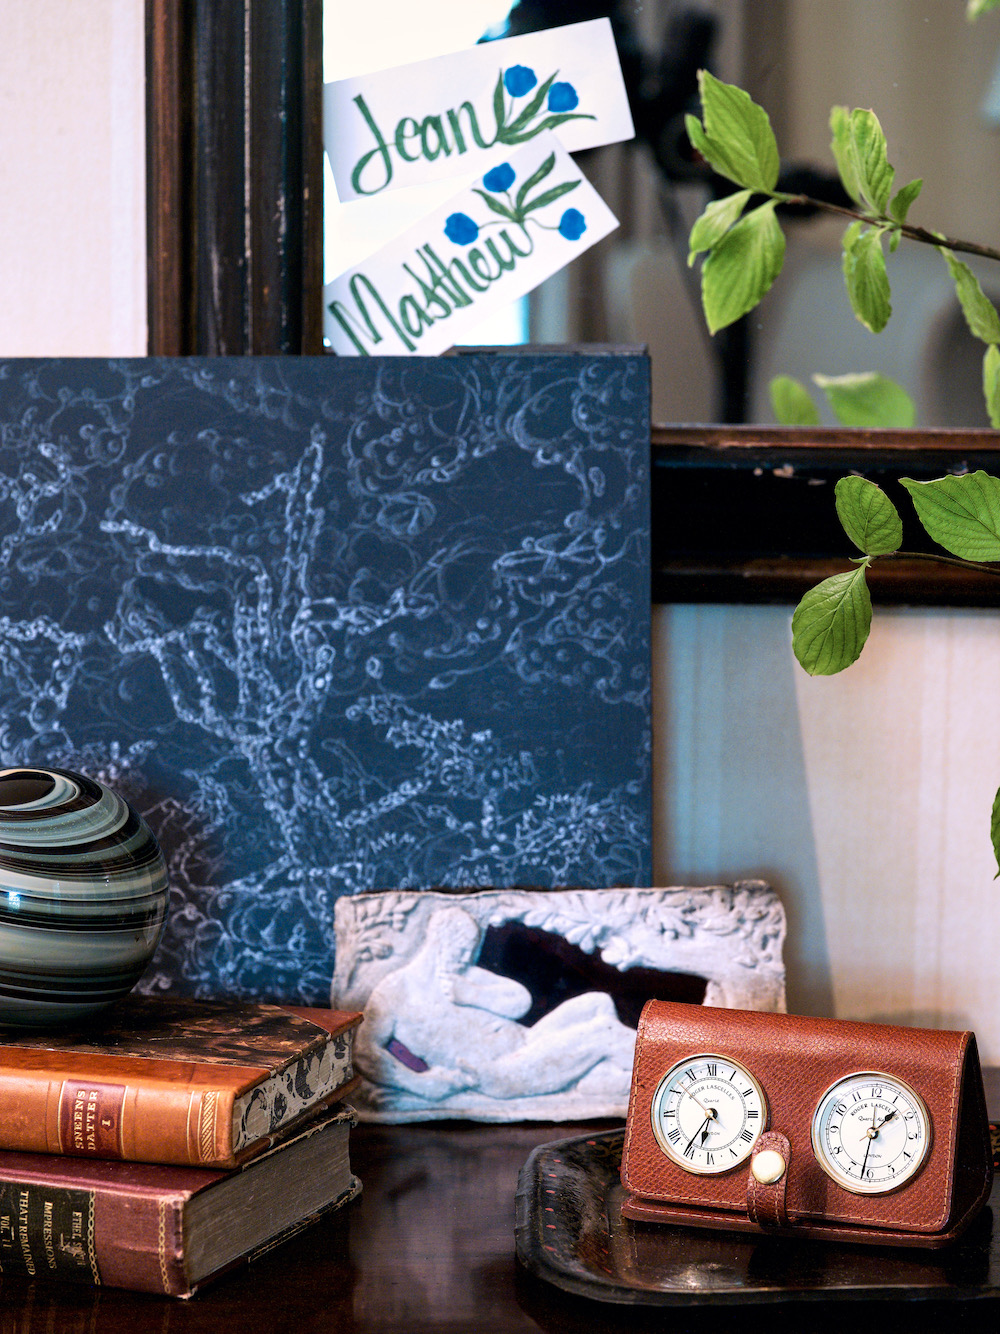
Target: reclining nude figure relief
(442,1025)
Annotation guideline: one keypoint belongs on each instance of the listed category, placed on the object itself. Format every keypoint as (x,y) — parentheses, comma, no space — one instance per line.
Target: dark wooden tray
(570,1232)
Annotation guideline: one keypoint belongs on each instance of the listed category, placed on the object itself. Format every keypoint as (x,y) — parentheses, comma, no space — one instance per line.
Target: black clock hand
(873,1134)
(702,1128)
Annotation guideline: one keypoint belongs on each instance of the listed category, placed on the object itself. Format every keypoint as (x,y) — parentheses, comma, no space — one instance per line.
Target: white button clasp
(768,1166)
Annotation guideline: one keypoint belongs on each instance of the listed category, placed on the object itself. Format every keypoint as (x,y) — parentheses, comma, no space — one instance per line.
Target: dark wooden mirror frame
(235,266)
(746,513)
(234,150)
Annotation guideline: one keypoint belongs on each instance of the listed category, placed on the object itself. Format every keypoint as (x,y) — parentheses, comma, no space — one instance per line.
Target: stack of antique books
(171,1140)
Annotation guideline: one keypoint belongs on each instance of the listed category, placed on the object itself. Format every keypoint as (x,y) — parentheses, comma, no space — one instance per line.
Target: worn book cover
(152,1079)
(333,624)
(166,1229)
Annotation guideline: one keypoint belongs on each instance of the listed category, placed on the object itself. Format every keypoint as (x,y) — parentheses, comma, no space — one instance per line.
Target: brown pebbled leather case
(796,1059)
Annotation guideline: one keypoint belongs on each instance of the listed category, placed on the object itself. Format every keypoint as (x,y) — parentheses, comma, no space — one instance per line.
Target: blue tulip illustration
(460,228)
(534,194)
(549,105)
(499,178)
(563,97)
(519,79)
(572,224)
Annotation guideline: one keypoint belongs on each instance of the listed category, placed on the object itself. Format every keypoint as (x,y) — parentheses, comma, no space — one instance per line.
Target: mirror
(927,72)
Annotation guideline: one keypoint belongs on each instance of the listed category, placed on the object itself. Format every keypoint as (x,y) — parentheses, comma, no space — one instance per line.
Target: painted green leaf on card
(961,514)
(495,206)
(550,196)
(831,623)
(868,516)
(536,178)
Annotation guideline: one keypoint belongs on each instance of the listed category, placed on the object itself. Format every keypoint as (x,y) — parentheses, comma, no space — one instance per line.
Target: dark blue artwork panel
(333,625)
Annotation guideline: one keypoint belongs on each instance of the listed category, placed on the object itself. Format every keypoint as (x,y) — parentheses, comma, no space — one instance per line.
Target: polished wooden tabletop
(428,1248)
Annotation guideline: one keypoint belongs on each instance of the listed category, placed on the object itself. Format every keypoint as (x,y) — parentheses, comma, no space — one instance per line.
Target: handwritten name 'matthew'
(437,289)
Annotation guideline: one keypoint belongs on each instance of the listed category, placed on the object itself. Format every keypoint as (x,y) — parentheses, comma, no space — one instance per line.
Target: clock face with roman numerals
(871,1133)
(708,1112)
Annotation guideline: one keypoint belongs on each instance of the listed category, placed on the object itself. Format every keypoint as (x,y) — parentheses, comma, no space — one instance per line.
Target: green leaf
(499,110)
(991,383)
(736,139)
(977,7)
(716,220)
(899,205)
(869,517)
(508,136)
(495,205)
(860,151)
(866,398)
(539,174)
(980,313)
(840,146)
(831,623)
(549,196)
(865,276)
(995,831)
(792,403)
(962,514)
(742,266)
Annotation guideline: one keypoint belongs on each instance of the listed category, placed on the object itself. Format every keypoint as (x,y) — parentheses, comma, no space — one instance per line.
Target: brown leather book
(166,1229)
(166,1080)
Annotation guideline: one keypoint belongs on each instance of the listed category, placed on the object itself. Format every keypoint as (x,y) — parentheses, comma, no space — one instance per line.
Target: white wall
(864,798)
(72,178)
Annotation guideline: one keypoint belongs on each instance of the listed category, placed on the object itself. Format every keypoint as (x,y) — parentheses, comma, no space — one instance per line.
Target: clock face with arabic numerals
(708,1112)
(871,1133)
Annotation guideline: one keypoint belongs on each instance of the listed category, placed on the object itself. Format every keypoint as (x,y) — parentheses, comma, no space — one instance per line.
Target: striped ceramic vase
(83,897)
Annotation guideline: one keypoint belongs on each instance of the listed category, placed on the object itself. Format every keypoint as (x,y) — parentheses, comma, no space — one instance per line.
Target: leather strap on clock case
(796,1059)
(766,1201)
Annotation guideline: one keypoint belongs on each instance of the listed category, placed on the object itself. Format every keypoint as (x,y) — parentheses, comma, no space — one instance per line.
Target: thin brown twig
(981,566)
(920,234)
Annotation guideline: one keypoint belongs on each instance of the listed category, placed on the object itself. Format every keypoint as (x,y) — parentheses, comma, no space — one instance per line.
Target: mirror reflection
(930,76)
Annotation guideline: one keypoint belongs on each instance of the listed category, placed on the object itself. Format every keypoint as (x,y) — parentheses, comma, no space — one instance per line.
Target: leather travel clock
(776,1123)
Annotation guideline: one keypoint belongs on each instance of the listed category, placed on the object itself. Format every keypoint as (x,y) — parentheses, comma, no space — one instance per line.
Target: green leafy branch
(744,245)
(744,248)
(830,626)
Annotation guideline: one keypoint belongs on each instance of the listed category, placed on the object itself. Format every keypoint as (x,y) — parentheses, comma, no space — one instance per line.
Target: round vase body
(83,897)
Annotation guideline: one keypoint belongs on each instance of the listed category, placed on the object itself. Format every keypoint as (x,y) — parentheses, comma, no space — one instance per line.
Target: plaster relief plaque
(517,1004)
